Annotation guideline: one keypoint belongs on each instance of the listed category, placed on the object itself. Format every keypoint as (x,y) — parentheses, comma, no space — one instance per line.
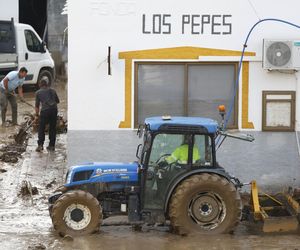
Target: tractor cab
(173,147)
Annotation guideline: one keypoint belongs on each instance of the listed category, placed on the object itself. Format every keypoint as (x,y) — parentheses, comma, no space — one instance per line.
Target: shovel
(20,137)
(28,103)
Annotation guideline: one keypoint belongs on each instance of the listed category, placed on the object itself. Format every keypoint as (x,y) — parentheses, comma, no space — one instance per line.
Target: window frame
(265,101)
(8,46)
(210,141)
(32,37)
(170,134)
(186,65)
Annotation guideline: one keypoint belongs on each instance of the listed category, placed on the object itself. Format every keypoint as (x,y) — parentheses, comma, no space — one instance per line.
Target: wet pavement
(25,223)
(27,216)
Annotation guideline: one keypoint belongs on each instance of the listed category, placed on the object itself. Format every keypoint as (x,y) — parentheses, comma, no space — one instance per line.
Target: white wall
(9,9)
(96,100)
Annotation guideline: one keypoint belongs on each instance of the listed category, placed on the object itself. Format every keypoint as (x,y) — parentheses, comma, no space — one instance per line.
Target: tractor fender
(175,183)
(54,197)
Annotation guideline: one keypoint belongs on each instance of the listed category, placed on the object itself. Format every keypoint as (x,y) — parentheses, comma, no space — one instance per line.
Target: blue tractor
(176,179)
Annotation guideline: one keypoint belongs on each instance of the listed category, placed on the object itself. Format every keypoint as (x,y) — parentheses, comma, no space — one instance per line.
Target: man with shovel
(47,114)
(11,81)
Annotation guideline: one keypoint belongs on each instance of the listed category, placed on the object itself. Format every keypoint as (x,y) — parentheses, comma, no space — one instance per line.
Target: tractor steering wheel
(163,165)
(161,158)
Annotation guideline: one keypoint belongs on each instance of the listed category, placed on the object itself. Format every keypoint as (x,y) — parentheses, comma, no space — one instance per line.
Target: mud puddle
(115,238)
(27,180)
(25,187)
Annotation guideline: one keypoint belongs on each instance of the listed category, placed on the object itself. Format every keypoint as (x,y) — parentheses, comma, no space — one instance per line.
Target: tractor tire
(206,204)
(47,74)
(76,213)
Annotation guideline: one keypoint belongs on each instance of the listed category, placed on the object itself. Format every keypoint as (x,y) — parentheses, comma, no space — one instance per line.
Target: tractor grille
(82,176)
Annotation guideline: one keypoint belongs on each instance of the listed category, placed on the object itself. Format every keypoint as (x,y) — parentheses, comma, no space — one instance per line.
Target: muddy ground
(25,224)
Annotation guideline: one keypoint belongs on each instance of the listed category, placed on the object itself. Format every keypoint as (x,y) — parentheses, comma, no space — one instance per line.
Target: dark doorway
(34,13)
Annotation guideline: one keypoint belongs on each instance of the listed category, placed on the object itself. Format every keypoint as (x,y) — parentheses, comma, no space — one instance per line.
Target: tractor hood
(102,172)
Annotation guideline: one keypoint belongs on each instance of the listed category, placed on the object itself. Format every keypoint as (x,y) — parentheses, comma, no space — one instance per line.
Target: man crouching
(48,114)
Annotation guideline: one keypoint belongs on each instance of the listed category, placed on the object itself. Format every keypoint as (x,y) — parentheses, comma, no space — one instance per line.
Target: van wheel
(76,213)
(45,74)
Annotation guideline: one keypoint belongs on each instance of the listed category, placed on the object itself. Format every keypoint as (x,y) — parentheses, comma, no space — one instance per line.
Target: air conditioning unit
(281,54)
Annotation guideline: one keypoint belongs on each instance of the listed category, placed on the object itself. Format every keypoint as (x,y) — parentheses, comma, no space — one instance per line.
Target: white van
(21,46)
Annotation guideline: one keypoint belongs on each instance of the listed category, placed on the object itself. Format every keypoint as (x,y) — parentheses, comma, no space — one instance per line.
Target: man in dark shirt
(48,114)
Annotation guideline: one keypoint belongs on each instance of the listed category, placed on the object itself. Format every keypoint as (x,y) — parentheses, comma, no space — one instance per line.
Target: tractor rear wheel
(205,203)
(76,213)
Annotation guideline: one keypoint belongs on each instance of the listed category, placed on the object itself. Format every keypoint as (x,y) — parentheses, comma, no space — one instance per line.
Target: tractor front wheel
(205,203)
(76,213)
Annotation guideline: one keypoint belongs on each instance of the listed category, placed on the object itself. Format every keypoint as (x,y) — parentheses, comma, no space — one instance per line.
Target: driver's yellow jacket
(181,154)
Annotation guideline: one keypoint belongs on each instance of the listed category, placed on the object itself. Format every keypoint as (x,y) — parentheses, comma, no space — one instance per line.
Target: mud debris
(32,124)
(27,189)
(61,125)
(22,136)
(2,170)
(50,184)
(12,152)
(9,158)
(13,148)
(38,246)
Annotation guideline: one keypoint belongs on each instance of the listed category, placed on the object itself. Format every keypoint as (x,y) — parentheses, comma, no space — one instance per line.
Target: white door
(32,56)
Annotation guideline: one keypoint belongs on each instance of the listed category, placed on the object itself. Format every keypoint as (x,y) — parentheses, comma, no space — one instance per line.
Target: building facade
(133,59)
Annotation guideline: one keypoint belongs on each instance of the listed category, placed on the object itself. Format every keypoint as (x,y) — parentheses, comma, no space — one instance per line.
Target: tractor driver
(181,153)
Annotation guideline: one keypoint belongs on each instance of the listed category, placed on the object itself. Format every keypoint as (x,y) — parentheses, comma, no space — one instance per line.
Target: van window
(32,42)
(4,36)
(7,38)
